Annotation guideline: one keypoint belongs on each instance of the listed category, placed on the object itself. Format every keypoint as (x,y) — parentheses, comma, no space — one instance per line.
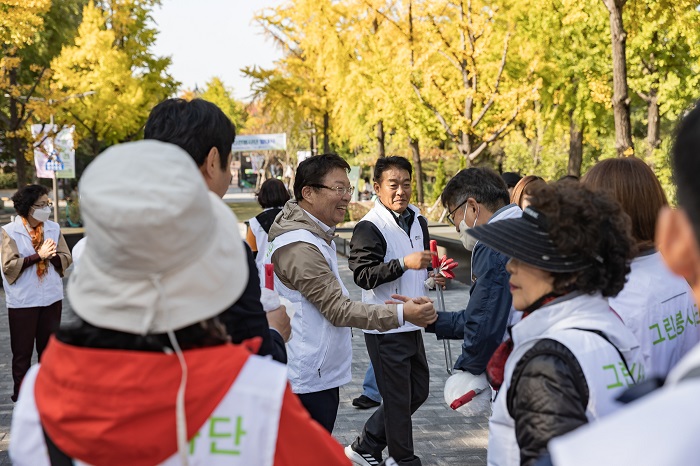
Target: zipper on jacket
(328,342)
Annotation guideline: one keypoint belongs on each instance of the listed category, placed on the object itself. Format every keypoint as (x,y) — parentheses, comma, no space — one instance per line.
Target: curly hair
(584,222)
(26,196)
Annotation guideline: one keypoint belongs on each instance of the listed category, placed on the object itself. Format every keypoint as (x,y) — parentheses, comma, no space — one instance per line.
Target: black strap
(604,337)
(267,217)
(56,456)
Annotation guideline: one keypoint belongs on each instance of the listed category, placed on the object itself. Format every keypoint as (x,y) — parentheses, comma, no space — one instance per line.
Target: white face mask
(468,241)
(42,215)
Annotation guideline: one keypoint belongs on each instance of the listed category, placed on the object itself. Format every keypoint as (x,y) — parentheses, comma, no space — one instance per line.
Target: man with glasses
(306,273)
(476,196)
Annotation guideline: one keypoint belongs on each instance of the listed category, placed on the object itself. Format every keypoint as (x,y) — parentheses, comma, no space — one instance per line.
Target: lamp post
(54,180)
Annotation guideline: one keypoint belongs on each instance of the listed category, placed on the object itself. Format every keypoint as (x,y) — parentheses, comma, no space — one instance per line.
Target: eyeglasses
(42,205)
(339,190)
(451,215)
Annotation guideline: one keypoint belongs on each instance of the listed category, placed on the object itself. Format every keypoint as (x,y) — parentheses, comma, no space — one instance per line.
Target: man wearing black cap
(477,196)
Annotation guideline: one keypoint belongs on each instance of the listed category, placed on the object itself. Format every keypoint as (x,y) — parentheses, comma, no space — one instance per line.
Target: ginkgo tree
(117,93)
(20,24)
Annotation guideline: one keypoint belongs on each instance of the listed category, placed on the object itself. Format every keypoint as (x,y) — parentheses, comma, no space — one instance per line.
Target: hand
(400,299)
(279,320)
(47,250)
(419,311)
(439,279)
(418,260)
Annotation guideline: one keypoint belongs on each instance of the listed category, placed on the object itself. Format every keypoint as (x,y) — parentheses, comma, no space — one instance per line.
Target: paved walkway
(441,436)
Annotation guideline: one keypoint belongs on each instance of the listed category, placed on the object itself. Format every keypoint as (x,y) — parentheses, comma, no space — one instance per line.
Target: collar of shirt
(406,217)
(323,226)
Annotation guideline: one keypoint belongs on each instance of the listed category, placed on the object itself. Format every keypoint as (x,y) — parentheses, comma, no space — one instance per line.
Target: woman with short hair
(570,356)
(273,195)
(34,257)
(655,304)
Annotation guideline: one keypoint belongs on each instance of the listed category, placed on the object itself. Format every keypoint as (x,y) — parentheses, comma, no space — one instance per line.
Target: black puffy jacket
(547,397)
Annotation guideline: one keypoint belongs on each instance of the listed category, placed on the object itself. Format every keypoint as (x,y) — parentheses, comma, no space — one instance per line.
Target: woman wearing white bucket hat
(148,377)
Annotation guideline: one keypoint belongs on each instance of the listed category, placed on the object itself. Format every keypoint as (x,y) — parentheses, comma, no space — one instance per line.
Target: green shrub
(8,180)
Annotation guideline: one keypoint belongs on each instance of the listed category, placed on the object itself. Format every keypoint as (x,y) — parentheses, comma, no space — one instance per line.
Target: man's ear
(473,205)
(306,192)
(676,240)
(211,164)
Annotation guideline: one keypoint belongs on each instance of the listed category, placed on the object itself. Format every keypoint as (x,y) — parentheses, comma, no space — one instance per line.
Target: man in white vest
(389,255)
(664,426)
(306,273)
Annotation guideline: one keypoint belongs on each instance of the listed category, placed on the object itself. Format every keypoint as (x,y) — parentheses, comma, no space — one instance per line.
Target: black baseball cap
(527,239)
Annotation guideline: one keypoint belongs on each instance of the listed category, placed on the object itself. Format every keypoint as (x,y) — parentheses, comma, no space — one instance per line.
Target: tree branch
(645,97)
(491,100)
(437,113)
(396,25)
(496,134)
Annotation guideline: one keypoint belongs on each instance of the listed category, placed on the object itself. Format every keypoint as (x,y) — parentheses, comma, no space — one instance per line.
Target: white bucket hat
(164,252)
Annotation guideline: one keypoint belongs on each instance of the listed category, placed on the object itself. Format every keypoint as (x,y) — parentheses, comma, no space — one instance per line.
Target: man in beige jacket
(306,273)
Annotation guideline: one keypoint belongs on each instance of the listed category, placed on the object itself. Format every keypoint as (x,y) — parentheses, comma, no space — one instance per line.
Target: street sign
(53,151)
(255,142)
(54,162)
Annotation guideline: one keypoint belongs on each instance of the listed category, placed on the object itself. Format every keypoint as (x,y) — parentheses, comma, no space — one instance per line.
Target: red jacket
(118,407)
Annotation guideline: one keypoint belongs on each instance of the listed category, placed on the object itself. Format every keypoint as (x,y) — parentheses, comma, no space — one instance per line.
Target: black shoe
(359,457)
(364,402)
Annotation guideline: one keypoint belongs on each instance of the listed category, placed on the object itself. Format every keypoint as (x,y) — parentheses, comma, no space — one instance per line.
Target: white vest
(29,290)
(261,244)
(659,308)
(398,245)
(319,356)
(661,428)
(246,421)
(606,374)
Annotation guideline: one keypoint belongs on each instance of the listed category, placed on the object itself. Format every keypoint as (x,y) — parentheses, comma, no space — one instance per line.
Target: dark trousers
(403,379)
(322,406)
(27,326)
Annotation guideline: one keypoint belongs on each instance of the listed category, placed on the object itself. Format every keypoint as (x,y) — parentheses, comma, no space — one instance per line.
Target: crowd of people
(580,328)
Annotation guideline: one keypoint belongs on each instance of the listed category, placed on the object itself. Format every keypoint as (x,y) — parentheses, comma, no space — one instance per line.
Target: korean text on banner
(253,142)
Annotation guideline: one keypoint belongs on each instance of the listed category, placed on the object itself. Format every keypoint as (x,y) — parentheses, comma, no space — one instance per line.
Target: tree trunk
(575,147)
(465,147)
(380,138)
(621,101)
(16,143)
(653,128)
(313,146)
(417,168)
(326,142)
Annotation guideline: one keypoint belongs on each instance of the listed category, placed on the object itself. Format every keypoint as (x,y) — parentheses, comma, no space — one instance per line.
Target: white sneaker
(361,459)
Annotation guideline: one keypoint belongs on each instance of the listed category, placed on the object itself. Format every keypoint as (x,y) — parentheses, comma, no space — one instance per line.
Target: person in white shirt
(664,427)
(655,304)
